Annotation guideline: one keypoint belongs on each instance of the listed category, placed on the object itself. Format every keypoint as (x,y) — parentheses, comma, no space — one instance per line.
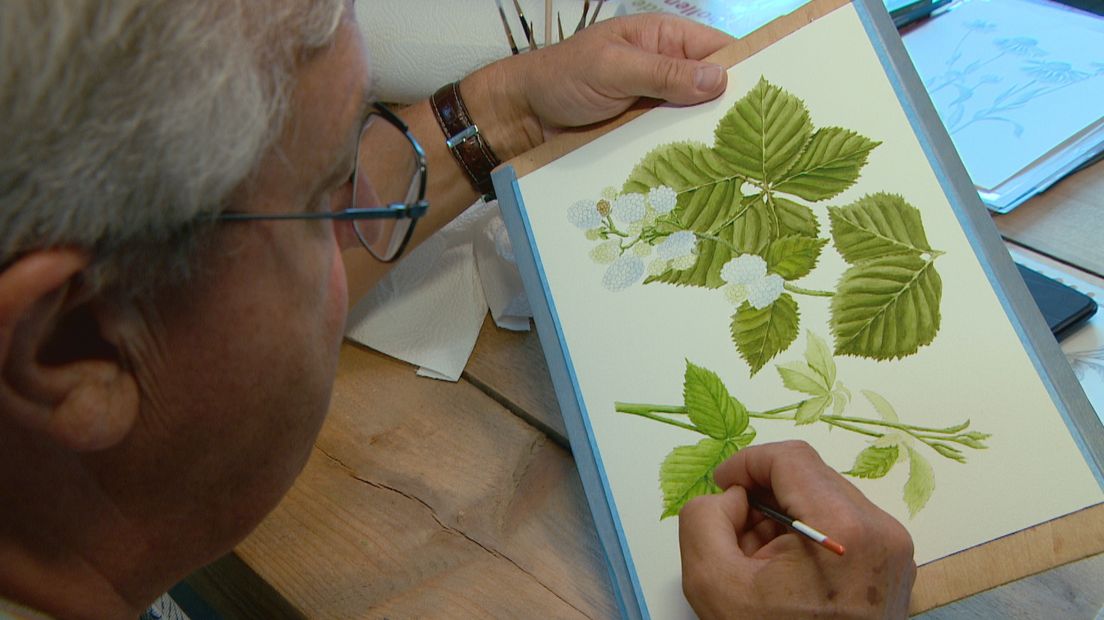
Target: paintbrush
(506,27)
(582,20)
(597,10)
(525,27)
(797,526)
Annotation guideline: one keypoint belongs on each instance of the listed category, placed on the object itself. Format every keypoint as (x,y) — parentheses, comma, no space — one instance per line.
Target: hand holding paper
(594,76)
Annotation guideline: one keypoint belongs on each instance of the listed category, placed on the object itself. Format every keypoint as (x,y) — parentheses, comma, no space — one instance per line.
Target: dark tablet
(1063,307)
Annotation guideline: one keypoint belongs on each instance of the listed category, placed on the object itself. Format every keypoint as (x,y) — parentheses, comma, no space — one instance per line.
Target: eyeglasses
(388,192)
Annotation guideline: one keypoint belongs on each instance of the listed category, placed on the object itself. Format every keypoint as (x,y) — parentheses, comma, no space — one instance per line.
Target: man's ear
(58,377)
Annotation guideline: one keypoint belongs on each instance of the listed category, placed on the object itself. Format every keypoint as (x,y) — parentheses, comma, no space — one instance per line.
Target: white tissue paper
(429,309)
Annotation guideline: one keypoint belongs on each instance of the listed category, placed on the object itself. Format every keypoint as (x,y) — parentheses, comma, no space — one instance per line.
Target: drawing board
(805,249)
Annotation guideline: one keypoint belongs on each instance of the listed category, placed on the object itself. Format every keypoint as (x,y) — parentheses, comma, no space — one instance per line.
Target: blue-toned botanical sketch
(988,82)
(1087,363)
(1012,81)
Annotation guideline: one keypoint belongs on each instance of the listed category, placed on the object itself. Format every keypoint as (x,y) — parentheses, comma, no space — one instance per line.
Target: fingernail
(708,77)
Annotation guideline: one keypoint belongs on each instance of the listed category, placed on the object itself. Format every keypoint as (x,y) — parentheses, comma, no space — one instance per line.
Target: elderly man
(177,182)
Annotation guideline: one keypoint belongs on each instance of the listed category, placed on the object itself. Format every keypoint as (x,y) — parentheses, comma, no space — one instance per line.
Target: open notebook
(803,258)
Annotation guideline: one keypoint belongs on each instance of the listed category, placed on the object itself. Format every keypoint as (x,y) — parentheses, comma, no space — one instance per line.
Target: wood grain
(1065,222)
(428,499)
(510,367)
(1072,591)
(1001,561)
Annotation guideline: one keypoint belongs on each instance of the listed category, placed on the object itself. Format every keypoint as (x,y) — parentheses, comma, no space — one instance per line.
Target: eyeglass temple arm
(396,211)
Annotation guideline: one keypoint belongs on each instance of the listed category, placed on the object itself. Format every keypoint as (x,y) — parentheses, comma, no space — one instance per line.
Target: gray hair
(125,121)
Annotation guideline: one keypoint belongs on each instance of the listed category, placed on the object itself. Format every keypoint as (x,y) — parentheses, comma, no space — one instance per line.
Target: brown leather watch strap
(463,138)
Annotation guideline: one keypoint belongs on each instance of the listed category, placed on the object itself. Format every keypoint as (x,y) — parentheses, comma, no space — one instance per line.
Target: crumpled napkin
(429,309)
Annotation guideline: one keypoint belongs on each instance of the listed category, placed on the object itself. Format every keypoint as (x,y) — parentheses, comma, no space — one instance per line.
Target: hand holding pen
(741,562)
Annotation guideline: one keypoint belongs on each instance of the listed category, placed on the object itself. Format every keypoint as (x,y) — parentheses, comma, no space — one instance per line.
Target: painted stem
(636,408)
(771,413)
(853,429)
(649,410)
(895,425)
(793,288)
(659,418)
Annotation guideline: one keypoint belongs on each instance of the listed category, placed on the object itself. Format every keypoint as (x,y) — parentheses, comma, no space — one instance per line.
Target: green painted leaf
(760,335)
(887,308)
(829,164)
(687,472)
(920,483)
(949,451)
(819,357)
(794,218)
(974,440)
(874,462)
(755,229)
(877,225)
(708,208)
(744,440)
(882,406)
(811,410)
(762,136)
(839,403)
(793,257)
(709,405)
(740,222)
(706,272)
(800,377)
(680,166)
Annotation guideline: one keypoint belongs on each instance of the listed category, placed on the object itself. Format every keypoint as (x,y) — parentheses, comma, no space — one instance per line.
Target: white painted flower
(606,252)
(762,292)
(594,234)
(735,293)
(629,208)
(684,262)
(677,244)
(584,214)
(658,267)
(662,199)
(610,192)
(623,273)
(642,250)
(747,280)
(744,269)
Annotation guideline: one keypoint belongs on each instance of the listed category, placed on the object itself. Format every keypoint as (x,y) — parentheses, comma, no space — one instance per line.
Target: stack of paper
(1018,85)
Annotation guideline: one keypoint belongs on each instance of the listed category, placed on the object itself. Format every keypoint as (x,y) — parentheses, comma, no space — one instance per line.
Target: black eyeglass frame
(412,211)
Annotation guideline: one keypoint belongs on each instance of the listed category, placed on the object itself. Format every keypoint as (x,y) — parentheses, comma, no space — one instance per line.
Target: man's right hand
(736,563)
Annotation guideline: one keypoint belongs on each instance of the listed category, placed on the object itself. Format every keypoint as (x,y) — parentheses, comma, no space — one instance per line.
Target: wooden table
(431,499)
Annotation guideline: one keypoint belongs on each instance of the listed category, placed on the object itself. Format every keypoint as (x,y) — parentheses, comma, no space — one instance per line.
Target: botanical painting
(784,263)
(736,216)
